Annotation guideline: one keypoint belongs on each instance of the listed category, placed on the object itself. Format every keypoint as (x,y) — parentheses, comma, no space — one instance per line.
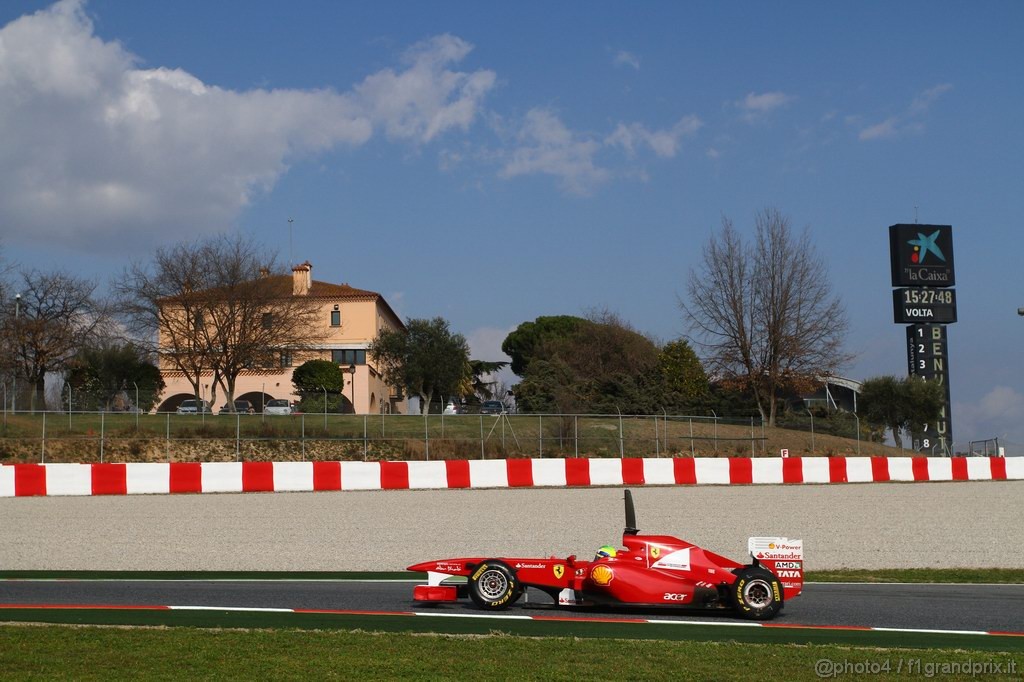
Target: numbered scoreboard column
(928,358)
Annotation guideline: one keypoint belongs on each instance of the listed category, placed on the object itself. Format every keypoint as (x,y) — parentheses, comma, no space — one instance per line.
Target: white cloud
(664,143)
(756,106)
(907,122)
(97,149)
(485,344)
(624,58)
(999,414)
(547,146)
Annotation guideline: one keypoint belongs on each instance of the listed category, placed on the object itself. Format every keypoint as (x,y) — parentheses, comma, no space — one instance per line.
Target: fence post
(302,434)
(168,437)
(764,440)
(858,432)
(751,436)
(812,430)
(426,433)
(576,433)
(621,449)
(716,430)
(103,433)
(693,452)
(364,437)
(657,444)
(482,454)
(238,433)
(540,434)
(42,450)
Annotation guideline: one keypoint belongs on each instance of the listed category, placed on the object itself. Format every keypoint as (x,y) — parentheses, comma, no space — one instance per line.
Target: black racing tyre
(757,593)
(493,585)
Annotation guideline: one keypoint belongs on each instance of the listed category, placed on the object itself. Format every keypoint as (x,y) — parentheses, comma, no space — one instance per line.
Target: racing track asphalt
(918,606)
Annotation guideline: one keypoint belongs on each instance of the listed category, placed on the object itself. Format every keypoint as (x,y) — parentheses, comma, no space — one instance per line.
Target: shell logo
(771,545)
(601,575)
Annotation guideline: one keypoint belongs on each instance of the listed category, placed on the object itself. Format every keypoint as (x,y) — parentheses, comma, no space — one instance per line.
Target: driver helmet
(606,551)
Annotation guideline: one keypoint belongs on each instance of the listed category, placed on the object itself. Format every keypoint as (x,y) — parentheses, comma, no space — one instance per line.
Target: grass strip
(894,575)
(398,623)
(193,653)
(919,575)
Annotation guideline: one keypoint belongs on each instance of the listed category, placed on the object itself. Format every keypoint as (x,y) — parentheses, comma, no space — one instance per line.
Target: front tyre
(757,594)
(493,585)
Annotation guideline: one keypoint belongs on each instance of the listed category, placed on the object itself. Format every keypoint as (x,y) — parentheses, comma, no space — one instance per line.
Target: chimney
(302,280)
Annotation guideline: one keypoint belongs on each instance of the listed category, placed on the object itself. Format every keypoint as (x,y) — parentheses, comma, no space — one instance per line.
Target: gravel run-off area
(909,525)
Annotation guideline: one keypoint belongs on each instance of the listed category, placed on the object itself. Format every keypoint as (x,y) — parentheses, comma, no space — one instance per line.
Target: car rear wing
(784,558)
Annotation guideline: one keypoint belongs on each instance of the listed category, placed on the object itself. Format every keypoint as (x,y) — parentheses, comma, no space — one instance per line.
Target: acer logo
(674,596)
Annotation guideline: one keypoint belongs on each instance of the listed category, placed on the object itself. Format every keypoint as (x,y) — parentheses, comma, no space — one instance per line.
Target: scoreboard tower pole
(922,265)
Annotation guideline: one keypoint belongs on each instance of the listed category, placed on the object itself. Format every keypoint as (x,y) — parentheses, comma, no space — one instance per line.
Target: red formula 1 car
(651,570)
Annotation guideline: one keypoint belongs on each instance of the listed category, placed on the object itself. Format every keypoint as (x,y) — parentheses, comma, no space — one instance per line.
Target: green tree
(425,358)
(528,339)
(901,405)
(683,380)
(110,376)
(315,379)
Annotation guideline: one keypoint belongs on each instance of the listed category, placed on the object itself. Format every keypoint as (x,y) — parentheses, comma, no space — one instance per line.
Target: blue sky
(491,163)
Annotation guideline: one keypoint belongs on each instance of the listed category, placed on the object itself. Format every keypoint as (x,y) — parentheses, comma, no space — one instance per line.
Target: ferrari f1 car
(651,571)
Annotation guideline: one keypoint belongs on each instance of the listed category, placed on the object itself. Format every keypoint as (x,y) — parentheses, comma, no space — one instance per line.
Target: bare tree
(254,315)
(764,314)
(217,307)
(55,315)
(163,304)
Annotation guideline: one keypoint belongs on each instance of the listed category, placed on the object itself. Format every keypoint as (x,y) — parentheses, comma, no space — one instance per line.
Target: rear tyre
(493,585)
(757,593)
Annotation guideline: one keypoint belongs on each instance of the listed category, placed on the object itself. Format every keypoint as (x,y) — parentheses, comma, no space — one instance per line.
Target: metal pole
(69,408)
(764,440)
(325,409)
(622,452)
(302,425)
(576,433)
(858,432)
(751,436)
(364,437)
(263,402)
(5,406)
(42,450)
(657,443)
(238,433)
(483,455)
(14,393)
(693,453)
(540,435)
(812,429)
(168,440)
(103,433)
(137,408)
(426,433)
(716,429)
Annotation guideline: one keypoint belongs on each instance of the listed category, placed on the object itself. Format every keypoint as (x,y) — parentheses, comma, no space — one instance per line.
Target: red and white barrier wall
(20,480)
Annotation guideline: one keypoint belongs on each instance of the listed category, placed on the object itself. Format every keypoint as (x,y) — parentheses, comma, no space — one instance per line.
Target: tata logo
(559,571)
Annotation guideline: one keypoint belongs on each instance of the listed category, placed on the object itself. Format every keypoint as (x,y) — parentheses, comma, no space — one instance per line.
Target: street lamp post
(352,380)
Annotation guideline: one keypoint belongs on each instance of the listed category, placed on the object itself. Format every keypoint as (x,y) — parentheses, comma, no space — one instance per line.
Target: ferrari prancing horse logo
(559,570)
(655,551)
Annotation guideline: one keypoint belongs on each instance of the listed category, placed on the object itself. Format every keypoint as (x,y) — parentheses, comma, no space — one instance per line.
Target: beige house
(350,319)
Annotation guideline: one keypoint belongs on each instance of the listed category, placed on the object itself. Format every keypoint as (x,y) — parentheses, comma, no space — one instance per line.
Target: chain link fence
(166,437)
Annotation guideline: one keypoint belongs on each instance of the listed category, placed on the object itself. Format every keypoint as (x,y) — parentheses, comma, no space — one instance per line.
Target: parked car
(194,407)
(492,407)
(452,408)
(241,407)
(278,406)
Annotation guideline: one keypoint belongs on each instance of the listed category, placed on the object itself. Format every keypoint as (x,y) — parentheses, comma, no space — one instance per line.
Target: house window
(335,318)
(348,357)
(286,358)
(268,321)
